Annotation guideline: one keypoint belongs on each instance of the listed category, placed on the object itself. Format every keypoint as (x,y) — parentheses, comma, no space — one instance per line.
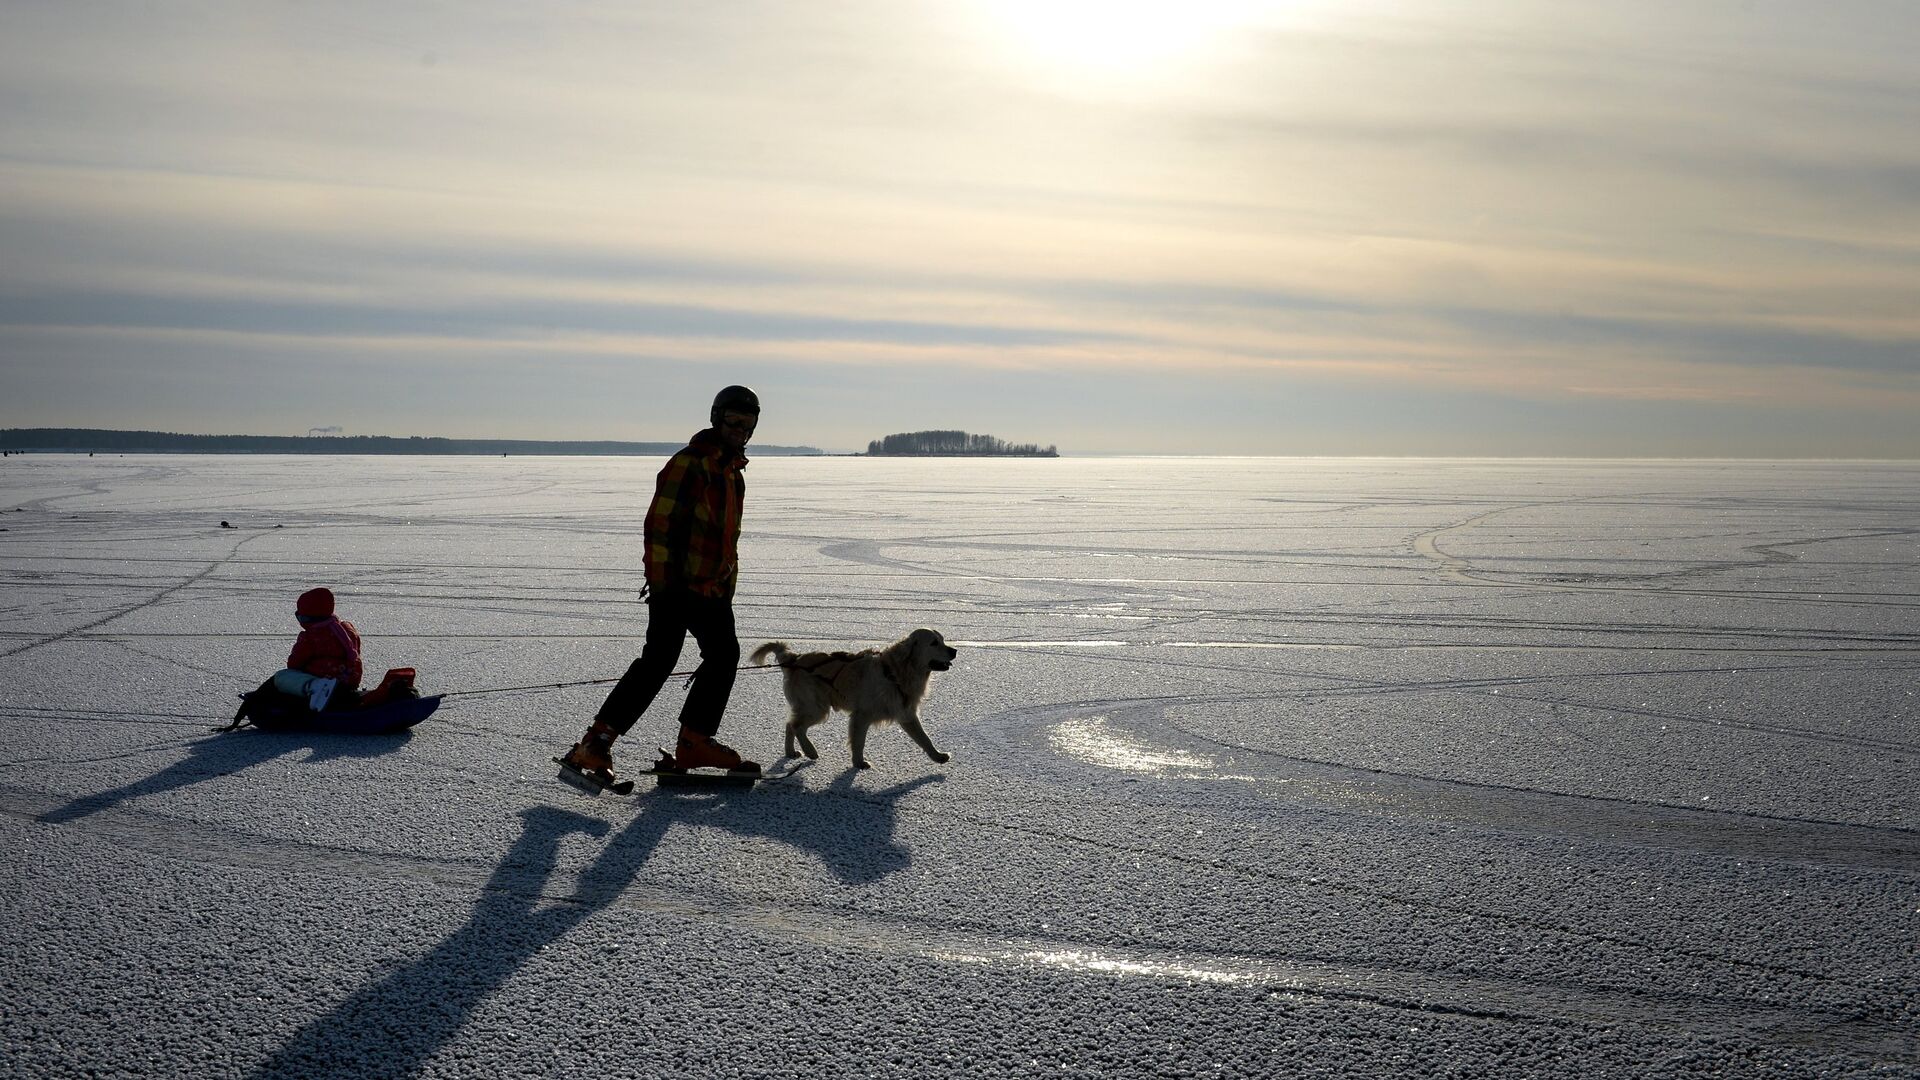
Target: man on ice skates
(692,538)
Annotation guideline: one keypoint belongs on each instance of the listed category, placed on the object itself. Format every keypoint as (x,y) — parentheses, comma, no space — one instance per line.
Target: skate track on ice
(1352,766)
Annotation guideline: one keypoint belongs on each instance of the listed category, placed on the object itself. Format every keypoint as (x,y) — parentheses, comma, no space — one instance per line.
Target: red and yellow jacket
(329,649)
(693,526)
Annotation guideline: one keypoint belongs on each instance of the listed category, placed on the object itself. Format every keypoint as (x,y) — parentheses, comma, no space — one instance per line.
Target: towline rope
(588,682)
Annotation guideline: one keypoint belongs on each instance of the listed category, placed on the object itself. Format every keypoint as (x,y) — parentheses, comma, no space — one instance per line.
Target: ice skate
(589,765)
(697,751)
(694,760)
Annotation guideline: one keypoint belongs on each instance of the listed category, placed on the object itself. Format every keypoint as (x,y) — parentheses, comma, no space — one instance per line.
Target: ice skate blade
(588,785)
(574,779)
(703,778)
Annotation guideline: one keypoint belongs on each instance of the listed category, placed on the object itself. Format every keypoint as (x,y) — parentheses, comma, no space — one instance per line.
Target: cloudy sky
(1194,226)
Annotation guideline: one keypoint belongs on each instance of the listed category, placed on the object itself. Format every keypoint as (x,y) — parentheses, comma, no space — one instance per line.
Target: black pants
(671,615)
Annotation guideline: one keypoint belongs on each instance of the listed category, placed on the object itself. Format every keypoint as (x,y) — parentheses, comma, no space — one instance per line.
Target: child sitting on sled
(326,655)
(323,676)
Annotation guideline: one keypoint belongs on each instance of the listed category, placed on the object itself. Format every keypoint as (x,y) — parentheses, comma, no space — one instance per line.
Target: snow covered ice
(1261,768)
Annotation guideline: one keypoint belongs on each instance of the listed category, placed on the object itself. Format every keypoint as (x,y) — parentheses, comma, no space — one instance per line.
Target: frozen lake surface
(1261,768)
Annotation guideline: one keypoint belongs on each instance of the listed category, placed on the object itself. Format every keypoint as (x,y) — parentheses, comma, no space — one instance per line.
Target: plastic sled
(392,706)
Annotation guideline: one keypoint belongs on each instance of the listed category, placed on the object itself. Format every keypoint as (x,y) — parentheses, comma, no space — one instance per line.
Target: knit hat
(315,602)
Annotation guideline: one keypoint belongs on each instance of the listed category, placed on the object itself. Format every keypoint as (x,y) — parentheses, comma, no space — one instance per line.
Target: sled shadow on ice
(224,755)
(394,1026)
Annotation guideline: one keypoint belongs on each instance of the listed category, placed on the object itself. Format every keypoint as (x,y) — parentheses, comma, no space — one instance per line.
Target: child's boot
(319,692)
(696,750)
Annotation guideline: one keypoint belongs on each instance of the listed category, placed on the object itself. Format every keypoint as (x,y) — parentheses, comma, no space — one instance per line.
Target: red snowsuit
(330,649)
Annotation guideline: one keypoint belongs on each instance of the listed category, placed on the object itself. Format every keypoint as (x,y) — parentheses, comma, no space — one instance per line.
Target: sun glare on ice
(1093,740)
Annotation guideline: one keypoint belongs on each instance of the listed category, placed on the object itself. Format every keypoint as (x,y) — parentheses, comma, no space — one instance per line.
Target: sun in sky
(1118,39)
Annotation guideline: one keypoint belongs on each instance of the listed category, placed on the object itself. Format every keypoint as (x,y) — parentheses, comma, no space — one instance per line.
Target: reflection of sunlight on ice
(1091,740)
(1076,960)
(1095,644)
(1085,960)
(954,957)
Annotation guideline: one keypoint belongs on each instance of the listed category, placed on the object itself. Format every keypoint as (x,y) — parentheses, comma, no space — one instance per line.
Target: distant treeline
(137,442)
(954,443)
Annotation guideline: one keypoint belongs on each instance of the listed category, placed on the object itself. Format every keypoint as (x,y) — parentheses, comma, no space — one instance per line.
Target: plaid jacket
(693,526)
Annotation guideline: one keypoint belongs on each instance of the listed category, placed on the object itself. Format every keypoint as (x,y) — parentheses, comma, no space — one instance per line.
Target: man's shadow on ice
(394,1026)
(224,755)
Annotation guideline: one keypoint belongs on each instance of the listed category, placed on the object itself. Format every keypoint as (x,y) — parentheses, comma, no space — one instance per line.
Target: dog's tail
(776,649)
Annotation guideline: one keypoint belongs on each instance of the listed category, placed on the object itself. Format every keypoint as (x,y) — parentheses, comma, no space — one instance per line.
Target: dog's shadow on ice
(224,755)
(850,830)
(395,1025)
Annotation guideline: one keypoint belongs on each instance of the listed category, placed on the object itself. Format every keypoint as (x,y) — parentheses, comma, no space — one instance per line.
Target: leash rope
(587,682)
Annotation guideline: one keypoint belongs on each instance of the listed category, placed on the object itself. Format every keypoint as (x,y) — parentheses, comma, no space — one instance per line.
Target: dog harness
(830,666)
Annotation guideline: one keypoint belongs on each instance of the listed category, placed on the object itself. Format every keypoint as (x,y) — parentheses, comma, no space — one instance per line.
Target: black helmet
(734,399)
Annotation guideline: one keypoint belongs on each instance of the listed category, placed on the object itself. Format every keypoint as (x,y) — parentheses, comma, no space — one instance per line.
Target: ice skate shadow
(224,755)
(394,1026)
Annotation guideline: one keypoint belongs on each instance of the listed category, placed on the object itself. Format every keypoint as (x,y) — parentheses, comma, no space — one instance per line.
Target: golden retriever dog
(872,686)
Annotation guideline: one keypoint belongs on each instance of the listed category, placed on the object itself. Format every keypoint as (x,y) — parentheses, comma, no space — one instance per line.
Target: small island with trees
(953,444)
